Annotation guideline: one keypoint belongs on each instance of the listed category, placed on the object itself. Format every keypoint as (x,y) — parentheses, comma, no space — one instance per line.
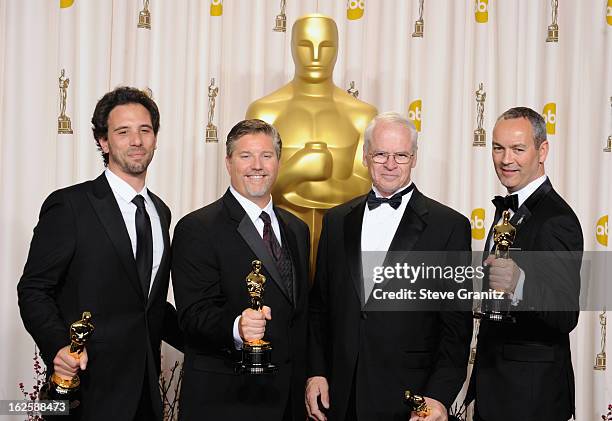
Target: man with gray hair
(213,253)
(523,370)
(362,361)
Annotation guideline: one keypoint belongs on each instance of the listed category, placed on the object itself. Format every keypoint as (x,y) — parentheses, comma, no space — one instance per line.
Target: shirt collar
(528,190)
(123,189)
(252,209)
(377,192)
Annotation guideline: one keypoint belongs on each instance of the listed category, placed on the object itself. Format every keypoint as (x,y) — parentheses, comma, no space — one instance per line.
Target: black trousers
(145,406)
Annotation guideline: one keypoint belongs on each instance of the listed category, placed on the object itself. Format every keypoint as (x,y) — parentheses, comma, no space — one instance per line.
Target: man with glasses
(360,362)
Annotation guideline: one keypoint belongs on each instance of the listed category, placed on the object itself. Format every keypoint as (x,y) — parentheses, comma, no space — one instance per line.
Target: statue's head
(314,45)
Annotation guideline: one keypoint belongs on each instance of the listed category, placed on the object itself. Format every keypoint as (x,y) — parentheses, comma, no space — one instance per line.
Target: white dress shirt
(377,231)
(254,211)
(124,193)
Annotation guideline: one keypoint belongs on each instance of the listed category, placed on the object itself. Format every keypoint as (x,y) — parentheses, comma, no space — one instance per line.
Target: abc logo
(481,11)
(354,9)
(601,232)
(414,113)
(216,7)
(550,117)
(477,221)
(609,13)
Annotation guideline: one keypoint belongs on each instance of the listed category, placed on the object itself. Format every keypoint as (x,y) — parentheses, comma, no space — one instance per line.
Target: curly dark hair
(120,96)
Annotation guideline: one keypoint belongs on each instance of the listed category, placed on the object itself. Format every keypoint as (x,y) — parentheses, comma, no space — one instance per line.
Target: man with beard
(213,252)
(103,246)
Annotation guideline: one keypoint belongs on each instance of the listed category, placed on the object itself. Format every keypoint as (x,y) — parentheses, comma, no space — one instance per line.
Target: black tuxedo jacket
(524,370)
(384,353)
(213,248)
(81,259)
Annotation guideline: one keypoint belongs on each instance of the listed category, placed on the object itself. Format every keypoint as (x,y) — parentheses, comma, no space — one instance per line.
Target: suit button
(364,315)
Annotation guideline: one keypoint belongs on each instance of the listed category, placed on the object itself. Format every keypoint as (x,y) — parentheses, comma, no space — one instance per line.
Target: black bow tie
(504,203)
(394,201)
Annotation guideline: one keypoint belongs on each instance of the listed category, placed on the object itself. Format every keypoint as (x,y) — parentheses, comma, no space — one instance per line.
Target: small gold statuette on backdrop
(257,354)
(419,24)
(553,28)
(59,387)
(280,22)
(148,92)
(144,17)
(600,358)
(64,125)
(352,90)
(480,136)
(211,129)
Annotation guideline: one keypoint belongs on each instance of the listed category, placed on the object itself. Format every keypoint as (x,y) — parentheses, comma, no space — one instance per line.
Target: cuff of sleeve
(518,291)
(237,339)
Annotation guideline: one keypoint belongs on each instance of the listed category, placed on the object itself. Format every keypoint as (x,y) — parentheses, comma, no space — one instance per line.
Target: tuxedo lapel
(523,213)
(408,231)
(352,241)
(249,233)
(411,225)
(106,207)
(165,226)
(291,245)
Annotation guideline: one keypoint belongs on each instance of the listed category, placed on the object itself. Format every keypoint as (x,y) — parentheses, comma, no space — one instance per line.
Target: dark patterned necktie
(144,244)
(278,253)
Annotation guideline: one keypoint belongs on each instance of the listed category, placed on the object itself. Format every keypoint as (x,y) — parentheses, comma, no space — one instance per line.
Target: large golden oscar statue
(321,126)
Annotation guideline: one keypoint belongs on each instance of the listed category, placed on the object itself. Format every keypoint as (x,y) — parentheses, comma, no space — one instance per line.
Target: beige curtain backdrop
(500,43)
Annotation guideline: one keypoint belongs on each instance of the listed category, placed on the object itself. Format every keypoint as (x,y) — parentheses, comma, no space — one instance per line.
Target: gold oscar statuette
(608,147)
(148,92)
(352,90)
(211,129)
(419,24)
(144,17)
(600,358)
(480,136)
(321,126)
(553,28)
(257,354)
(280,22)
(59,387)
(417,404)
(498,310)
(64,125)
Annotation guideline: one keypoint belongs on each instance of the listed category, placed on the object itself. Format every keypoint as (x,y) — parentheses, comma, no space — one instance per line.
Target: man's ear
(543,152)
(103,141)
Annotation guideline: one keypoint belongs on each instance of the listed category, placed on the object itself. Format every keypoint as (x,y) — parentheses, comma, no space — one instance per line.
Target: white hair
(394,118)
